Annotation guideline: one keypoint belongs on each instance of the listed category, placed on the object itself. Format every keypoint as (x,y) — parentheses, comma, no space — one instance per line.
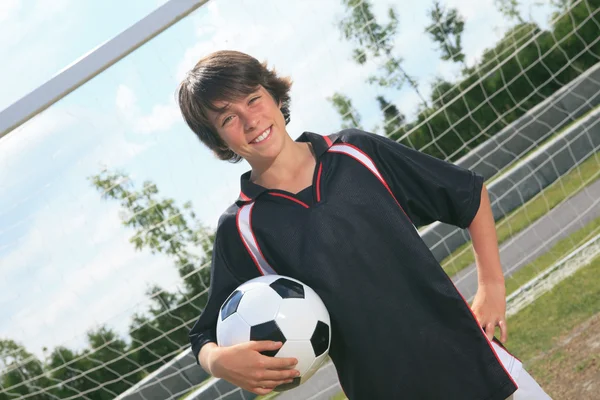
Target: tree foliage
(343,105)
(110,364)
(446,29)
(525,67)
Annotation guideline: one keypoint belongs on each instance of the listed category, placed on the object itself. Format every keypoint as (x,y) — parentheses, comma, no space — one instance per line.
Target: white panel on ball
(232,330)
(315,304)
(295,319)
(259,305)
(302,350)
(314,367)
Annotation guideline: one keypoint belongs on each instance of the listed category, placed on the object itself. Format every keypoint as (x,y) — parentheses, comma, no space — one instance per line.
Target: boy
(339,213)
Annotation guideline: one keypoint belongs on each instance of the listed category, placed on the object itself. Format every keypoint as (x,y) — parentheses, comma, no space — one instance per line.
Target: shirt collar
(320,145)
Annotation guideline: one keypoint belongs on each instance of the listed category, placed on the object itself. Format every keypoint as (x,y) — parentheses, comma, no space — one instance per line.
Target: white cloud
(470,9)
(8,9)
(75,246)
(160,119)
(262,35)
(125,100)
(61,291)
(163,117)
(21,24)
(34,131)
(34,36)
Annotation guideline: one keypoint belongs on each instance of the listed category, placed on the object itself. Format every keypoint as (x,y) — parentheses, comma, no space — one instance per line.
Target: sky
(65,260)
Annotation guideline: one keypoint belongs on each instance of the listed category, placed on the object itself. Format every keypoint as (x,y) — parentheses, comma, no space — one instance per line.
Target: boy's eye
(226,120)
(254,98)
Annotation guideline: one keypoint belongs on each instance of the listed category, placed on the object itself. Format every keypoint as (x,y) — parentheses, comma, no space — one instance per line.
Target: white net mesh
(104,263)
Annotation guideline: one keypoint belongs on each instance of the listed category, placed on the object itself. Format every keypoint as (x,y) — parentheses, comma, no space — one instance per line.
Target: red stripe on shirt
(290,198)
(319,182)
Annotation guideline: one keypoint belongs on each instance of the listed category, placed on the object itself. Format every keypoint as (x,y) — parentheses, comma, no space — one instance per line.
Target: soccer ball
(282,309)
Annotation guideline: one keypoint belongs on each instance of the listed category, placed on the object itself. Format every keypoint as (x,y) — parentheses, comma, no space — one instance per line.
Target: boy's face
(252,126)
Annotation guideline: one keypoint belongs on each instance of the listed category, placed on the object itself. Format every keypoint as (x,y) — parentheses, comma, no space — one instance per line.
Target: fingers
(489,330)
(267,385)
(278,363)
(275,363)
(261,390)
(275,375)
(263,345)
(272,384)
(503,331)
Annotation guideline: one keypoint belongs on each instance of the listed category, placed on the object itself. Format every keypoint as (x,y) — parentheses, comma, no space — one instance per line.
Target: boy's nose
(250,123)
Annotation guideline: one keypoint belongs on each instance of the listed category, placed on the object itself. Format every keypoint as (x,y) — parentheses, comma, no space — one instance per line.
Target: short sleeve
(222,284)
(427,188)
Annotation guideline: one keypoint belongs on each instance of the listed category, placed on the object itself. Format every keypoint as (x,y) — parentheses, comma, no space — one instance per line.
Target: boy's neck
(295,163)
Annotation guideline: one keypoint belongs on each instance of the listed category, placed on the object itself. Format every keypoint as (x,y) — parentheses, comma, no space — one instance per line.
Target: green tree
(510,9)
(525,67)
(100,372)
(67,371)
(360,25)
(561,5)
(349,114)
(394,122)
(162,227)
(375,41)
(22,373)
(446,29)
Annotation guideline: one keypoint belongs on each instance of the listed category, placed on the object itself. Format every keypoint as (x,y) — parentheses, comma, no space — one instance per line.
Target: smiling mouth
(263,136)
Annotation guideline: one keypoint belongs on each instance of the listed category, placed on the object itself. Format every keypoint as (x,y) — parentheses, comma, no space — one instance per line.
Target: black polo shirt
(400,328)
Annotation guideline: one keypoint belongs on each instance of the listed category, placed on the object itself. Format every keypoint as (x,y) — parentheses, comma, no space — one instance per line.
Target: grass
(558,251)
(539,326)
(516,221)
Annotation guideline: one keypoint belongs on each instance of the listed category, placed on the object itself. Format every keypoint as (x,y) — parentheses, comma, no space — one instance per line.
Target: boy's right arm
(242,364)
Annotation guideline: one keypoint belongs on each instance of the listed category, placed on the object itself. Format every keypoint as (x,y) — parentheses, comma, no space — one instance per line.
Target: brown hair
(226,76)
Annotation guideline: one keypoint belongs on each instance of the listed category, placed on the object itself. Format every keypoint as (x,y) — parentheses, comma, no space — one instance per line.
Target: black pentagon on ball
(267,331)
(287,386)
(320,338)
(231,304)
(288,289)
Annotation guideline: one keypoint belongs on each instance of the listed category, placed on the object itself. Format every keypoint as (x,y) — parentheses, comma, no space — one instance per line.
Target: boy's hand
(244,366)
(489,307)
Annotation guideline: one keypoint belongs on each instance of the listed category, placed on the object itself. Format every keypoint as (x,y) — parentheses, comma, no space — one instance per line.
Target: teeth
(262,137)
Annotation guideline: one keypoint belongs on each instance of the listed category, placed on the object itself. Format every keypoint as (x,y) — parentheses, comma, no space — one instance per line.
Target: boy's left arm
(489,304)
